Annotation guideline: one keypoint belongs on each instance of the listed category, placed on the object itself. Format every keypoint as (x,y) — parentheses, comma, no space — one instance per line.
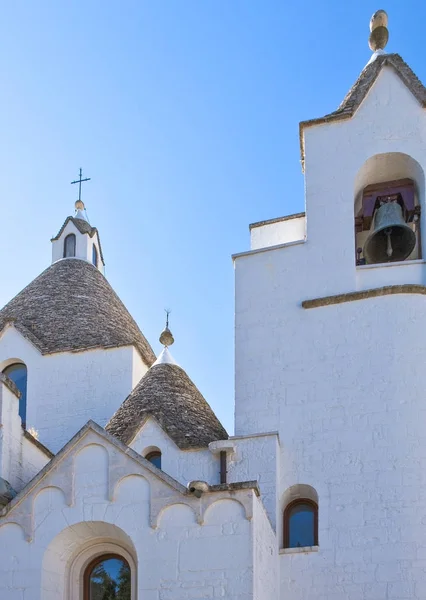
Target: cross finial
(80,180)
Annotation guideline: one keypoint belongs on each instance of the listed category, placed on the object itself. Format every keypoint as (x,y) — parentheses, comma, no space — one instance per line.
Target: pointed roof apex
(165,358)
(80,211)
(362,86)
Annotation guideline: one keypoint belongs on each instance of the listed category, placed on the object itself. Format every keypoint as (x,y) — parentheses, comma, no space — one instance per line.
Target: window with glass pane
(154,458)
(18,374)
(301,524)
(108,578)
(94,256)
(69,246)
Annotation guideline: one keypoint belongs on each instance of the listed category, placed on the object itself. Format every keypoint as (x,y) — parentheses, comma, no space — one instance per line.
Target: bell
(391,238)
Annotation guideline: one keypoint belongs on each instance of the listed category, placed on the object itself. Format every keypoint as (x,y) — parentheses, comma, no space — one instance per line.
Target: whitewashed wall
(83,247)
(67,389)
(343,384)
(192,549)
(256,458)
(183,465)
(277,231)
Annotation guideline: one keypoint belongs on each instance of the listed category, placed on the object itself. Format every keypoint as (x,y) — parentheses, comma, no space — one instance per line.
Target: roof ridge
(358,92)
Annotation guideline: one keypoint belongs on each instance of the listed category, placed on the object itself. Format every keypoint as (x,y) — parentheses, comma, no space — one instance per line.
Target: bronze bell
(391,238)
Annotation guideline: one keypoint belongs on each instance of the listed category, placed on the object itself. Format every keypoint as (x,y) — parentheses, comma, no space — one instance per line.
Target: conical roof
(72,307)
(166,393)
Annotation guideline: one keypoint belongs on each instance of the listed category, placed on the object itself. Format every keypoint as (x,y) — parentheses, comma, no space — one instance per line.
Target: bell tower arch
(389,196)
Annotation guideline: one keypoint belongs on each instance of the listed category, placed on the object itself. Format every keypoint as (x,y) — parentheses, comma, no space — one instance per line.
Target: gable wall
(67,389)
(183,465)
(116,501)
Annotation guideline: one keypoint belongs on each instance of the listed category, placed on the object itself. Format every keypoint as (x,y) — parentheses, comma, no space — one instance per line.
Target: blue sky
(185,115)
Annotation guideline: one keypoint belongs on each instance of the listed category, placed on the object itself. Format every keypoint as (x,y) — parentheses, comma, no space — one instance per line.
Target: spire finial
(166,337)
(379,35)
(80,180)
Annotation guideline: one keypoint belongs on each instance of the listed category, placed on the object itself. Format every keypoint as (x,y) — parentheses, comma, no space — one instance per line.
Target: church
(118,481)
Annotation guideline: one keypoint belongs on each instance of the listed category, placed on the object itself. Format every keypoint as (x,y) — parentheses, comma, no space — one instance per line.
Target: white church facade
(117,480)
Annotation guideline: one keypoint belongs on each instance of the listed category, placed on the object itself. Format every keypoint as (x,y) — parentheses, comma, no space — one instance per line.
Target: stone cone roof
(71,307)
(166,393)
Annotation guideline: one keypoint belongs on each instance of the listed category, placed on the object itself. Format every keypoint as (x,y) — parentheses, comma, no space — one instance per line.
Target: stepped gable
(71,307)
(166,393)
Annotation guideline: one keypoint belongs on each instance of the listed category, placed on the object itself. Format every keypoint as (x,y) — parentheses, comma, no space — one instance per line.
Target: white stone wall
(183,465)
(265,547)
(67,389)
(98,498)
(256,459)
(83,245)
(276,232)
(343,384)
(10,438)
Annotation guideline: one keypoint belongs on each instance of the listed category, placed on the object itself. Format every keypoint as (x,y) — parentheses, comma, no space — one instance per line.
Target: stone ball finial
(79,205)
(379,35)
(166,337)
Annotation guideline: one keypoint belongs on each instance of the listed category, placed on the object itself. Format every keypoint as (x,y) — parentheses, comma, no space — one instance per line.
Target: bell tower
(329,344)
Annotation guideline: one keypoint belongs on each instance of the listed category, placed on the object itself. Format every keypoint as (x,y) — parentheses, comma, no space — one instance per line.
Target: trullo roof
(72,307)
(166,393)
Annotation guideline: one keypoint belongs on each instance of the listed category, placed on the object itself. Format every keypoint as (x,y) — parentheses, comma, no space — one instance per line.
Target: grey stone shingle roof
(166,393)
(72,307)
(362,86)
(83,227)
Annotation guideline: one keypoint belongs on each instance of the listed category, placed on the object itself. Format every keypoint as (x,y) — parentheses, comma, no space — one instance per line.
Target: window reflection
(300,524)
(108,579)
(18,374)
(154,458)
(69,246)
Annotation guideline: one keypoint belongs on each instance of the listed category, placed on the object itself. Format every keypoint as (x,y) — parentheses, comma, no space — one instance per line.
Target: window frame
(23,399)
(92,564)
(95,256)
(70,236)
(286,520)
(152,454)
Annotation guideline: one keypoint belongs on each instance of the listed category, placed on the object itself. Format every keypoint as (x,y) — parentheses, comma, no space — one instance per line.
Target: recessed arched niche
(388,207)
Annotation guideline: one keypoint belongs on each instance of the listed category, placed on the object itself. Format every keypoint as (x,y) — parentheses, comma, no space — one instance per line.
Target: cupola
(78,239)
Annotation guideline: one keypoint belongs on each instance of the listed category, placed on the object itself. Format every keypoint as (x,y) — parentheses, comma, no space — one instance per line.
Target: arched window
(301,524)
(69,246)
(154,458)
(94,256)
(107,577)
(17,372)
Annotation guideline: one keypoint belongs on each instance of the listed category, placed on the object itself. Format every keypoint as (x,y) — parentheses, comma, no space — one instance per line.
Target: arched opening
(107,577)
(301,524)
(76,550)
(154,457)
(69,246)
(17,372)
(389,196)
(94,255)
(299,504)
